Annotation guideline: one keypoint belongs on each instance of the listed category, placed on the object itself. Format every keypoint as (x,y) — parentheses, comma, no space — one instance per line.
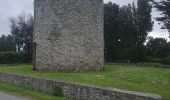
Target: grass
(144,79)
(27,93)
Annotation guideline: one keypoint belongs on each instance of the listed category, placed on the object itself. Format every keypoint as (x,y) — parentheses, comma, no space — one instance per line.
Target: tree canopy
(126,30)
(6,43)
(22,31)
(164,7)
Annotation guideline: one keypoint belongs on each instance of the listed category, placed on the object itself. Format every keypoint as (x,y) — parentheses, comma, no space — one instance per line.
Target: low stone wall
(76,91)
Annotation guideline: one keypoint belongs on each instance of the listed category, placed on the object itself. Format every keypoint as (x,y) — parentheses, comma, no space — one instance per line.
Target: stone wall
(69,35)
(76,91)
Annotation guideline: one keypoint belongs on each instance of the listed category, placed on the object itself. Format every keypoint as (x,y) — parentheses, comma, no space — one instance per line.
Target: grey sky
(11,8)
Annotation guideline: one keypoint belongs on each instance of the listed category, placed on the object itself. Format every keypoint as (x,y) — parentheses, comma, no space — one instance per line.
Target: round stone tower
(68,35)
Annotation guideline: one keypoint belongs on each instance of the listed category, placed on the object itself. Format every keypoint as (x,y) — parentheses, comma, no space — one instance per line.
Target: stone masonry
(68,35)
(75,91)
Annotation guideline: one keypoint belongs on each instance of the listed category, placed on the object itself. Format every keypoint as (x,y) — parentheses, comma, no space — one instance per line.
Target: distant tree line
(17,47)
(6,43)
(126,31)
(158,50)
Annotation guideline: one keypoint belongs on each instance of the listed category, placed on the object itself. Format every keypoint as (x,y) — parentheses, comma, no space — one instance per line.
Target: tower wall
(68,35)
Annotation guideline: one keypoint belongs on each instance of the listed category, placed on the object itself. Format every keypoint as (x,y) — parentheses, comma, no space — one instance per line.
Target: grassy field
(144,79)
(27,93)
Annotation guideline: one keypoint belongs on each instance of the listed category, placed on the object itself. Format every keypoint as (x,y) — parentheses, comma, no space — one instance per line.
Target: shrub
(165,61)
(8,57)
(144,64)
(13,57)
(57,91)
(24,58)
(153,60)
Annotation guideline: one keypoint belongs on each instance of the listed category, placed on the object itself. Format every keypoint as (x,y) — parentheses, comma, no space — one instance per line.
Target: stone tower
(68,35)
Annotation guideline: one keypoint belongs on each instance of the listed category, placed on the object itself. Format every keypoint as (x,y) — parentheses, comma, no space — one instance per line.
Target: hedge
(165,61)
(13,57)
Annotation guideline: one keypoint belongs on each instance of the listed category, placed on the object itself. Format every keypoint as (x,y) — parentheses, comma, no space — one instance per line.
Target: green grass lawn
(27,93)
(144,79)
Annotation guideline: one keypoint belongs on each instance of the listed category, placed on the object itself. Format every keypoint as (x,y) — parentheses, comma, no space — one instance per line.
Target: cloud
(160,34)
(11,8)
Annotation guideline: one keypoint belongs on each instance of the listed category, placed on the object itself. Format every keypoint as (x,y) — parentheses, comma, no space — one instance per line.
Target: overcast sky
(11,8)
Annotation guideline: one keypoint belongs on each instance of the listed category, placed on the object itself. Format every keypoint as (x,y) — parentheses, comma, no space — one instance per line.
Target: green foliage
(21,38)
(163,6)
(156,65)
(133,48)
(153,60)
(136,78)
(126,29)
(165,61)
(57,91)
(126,33)
(22,32)
(158,51)
(13,57)
(111,34)
(6,43)
(163,51)
(143,22)
(27,93)
(8,57)
(155,46)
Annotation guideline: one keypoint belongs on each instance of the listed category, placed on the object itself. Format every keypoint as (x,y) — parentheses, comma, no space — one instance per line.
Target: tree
(163,51)
(111,35)
(22,31)
(134,24)
(127,31)
(155,45)
(163,6)
(144,23)
(6,43)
